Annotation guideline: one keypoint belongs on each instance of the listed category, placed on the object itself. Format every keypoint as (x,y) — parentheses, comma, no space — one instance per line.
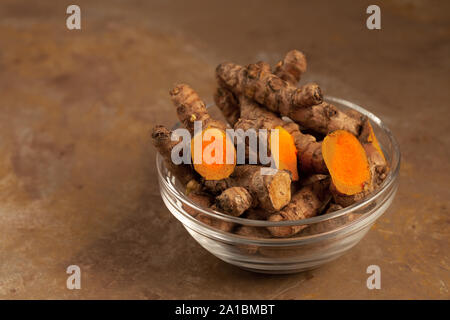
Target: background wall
(77,174)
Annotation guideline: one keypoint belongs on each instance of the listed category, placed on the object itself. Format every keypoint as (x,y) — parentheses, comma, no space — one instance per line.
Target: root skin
(255,116)
(234,201)
(377,161)
(271,192)
(200,199)
(291,68)
(313,179)
(228,104)
(206,200)
(309,151)
(309,155)
(257,214)
(257,84)
(253,233)
(161,139)
(215,223)
(331,224)
(325,118)
(306,203)
(191,108)
(346,200)
(252,110)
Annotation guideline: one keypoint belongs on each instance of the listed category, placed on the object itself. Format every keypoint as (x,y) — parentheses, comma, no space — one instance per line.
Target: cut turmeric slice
(190,108)
(347,162)
(217,158)
(286,157)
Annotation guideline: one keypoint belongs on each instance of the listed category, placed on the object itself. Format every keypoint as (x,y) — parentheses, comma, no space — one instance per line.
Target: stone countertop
(77,170)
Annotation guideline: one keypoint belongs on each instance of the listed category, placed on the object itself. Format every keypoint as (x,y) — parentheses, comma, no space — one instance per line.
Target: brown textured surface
(77,173)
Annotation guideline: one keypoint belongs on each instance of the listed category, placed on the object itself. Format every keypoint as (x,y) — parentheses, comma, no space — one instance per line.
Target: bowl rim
(389,181)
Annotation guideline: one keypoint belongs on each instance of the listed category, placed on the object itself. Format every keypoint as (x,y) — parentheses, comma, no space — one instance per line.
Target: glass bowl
(323,238)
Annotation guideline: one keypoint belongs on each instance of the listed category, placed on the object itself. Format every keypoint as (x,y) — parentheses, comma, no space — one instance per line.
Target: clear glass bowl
(323,239)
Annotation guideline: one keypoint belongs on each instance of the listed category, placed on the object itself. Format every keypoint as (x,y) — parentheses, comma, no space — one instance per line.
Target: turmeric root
(228,104)
(286,156)
(257,214)
(309,155)
(253,97)
(306,203)
(313,179)
(256,83)
(253,233)
(368,136)
(161,139)
(191,108)
(356,115)
(291,68)
(346,161)
(378,164)
(214,222)
(377,161)
(330,224)
(253,116)
(201,199)
(356,169)
(309,151)
(234,107)
(349,168)
(304,105)
(324,118)
(234,201)
(333,207)
(269,192)
(252,110)
(205,200)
